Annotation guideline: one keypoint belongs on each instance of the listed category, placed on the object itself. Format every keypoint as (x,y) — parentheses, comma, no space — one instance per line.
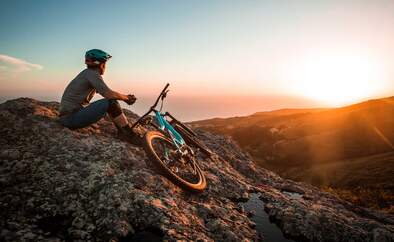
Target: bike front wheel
(182,170)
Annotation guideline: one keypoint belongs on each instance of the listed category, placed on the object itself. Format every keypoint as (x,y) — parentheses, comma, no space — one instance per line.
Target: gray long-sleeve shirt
(81,90)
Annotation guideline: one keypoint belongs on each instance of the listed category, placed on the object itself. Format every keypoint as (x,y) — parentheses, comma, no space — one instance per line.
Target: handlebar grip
(161,95)
(165,88)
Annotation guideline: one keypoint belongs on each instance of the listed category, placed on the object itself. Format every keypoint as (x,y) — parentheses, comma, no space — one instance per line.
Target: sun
(337,79)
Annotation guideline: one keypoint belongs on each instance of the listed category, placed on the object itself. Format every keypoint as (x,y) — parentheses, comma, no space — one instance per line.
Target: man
(75,110)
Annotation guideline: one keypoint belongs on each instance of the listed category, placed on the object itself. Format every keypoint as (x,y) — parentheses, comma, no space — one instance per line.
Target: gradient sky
(222,58)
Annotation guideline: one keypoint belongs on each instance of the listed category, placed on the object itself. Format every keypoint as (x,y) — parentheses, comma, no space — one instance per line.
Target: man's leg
(121,122)
(87,115)
(116,114)
(95,111)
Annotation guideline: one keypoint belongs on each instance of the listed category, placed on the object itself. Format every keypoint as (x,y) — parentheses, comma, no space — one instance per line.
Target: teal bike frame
(165,125)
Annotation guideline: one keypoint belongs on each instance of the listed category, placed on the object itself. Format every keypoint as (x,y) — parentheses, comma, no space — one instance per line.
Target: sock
(121,121)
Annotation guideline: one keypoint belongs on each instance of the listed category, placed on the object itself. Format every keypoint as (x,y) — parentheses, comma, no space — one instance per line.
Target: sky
(222,58)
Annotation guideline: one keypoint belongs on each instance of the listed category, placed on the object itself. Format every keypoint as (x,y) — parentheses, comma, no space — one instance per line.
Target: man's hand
(130,99)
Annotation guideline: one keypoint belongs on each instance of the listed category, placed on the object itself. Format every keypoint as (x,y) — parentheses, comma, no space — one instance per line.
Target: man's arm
(97,81)
(109,94)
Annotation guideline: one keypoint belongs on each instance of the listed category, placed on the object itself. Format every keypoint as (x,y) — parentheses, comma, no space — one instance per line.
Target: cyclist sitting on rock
(76,111)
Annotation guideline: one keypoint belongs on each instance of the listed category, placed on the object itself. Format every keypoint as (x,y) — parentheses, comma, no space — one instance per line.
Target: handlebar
(162,95)
(163,92)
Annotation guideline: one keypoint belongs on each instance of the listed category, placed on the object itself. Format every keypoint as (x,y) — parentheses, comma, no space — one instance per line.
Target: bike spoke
(183,166)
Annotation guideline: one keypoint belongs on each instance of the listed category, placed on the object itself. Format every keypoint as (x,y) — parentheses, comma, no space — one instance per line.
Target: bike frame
(164,125)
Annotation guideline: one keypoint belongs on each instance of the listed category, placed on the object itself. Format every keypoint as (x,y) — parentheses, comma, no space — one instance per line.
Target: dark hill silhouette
(293,141)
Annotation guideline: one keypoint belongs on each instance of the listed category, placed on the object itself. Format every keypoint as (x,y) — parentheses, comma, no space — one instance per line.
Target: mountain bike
(173,147)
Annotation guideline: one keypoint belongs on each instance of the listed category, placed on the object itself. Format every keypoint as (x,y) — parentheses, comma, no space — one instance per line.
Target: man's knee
(114,108)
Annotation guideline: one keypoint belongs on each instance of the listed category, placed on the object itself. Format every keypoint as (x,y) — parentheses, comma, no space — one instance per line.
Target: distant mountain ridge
(297,140)
(289,111)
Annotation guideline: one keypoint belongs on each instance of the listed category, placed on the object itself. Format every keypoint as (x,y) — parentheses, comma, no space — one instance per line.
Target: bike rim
(182,169)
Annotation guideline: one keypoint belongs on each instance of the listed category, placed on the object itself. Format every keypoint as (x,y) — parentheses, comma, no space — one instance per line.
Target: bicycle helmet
(96,56)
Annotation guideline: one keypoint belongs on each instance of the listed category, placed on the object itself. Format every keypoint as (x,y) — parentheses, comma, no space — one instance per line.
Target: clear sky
(222,58)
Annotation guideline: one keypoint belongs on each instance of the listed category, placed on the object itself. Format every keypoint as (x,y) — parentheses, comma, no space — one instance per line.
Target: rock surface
(58,184)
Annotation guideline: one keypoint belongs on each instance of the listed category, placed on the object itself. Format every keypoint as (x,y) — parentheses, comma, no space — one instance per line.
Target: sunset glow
(339,79)
(243,56)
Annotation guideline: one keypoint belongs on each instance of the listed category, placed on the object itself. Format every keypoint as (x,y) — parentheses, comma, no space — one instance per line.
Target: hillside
(301,143)
(86,185)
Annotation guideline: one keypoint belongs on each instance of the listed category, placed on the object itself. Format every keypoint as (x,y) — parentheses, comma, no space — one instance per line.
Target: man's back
(81,89)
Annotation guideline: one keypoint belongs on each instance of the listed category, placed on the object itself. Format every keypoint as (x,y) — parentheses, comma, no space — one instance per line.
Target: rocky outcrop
(58,184)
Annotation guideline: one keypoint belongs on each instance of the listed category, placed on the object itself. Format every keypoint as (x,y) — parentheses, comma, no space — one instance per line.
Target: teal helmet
(97,55)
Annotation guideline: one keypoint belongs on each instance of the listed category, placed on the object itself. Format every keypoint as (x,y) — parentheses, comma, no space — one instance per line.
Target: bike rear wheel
(183,172)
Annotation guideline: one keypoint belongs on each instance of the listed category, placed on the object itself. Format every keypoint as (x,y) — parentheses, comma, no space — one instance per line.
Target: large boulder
(58,184)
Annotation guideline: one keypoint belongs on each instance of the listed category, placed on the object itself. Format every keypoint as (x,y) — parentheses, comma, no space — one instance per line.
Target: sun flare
(338,79)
